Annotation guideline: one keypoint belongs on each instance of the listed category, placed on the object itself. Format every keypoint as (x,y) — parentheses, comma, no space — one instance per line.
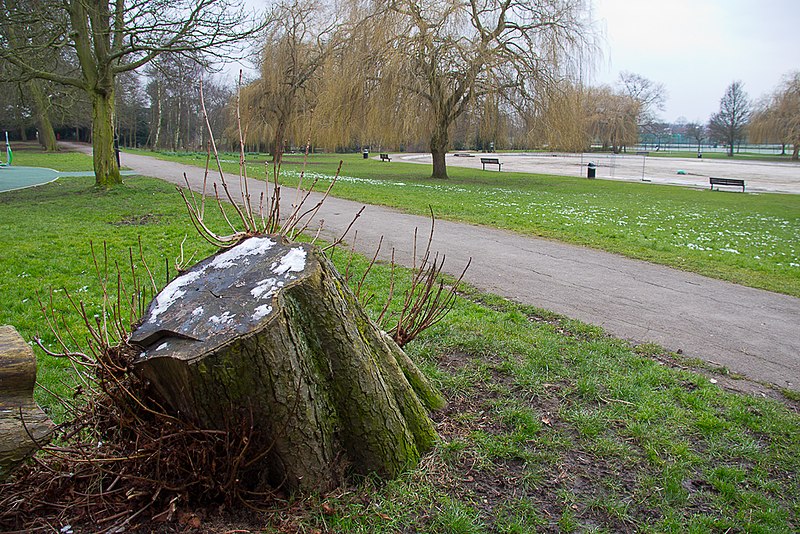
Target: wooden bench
(385,157)
(733,182)
(491,161)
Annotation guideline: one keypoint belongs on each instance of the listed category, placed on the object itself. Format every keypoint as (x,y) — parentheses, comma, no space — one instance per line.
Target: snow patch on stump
(219,298)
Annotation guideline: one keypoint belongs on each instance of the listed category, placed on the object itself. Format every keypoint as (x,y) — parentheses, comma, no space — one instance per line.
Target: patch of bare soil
(548,484)
(26,146)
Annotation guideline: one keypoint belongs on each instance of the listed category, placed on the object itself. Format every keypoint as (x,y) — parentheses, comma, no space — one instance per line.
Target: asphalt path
(749,331)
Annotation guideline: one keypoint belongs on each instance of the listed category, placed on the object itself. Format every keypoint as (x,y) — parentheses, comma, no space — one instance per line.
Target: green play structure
(9,154)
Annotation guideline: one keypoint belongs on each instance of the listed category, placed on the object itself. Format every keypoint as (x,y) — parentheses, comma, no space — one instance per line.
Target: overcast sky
(696,48)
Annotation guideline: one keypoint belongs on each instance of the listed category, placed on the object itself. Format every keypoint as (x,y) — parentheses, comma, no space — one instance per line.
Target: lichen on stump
(268,331)
(24,427)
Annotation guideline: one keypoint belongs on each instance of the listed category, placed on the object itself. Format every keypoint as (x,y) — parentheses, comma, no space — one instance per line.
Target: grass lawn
(551,424)
(749,239)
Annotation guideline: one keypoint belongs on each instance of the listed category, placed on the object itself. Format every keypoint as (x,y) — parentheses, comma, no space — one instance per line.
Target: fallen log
(267,332)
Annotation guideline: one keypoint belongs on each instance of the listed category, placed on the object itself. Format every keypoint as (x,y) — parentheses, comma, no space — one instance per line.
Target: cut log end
(24,427)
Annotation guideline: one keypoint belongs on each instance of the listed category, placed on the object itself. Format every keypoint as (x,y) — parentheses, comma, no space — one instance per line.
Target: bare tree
(777,118)
(429,61)
(131,112)
(14,113)
(36,94)
(109,38)
(697,132)
(648,94)
(175,96)
(728,124)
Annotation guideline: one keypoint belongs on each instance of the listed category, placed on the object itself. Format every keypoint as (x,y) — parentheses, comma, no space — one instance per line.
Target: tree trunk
(796,151)
(278,141)
(158,119)
(47,137)
(24,427)
(439,145)
(106,170)
(269,332)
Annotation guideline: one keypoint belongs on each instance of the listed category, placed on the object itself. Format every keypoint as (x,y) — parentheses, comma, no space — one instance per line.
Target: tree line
(342,74)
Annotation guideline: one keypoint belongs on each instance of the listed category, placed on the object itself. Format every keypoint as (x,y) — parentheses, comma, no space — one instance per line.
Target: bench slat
(733,182)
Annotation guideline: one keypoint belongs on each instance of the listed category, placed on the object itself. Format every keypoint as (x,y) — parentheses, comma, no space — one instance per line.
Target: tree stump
(269,330)
(24,427)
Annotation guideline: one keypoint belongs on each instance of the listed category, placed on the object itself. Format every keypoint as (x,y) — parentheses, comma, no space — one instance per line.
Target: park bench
(491,161)
(733,182)
(385,157)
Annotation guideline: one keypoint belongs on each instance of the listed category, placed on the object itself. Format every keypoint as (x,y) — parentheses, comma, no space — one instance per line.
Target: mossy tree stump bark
(24,427)
(270,332)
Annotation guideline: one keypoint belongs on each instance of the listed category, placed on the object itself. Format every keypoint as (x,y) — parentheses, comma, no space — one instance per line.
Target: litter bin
(365,152)
(591,170)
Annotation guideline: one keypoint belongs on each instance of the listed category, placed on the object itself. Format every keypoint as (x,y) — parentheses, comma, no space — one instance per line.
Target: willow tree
(108,38)
(300,36)
(428,61)
(777,118)
(560,119)
(613,118)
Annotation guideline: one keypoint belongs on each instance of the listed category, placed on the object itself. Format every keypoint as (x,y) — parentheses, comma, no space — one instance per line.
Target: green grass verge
(749,239)
(551,424)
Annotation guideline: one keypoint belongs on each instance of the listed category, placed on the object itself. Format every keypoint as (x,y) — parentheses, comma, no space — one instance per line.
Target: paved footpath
(749,331)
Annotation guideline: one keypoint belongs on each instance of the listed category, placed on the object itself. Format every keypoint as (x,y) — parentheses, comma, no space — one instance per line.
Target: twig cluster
(426,301)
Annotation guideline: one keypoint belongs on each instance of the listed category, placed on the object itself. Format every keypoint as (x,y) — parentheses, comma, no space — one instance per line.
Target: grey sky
(696,48)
